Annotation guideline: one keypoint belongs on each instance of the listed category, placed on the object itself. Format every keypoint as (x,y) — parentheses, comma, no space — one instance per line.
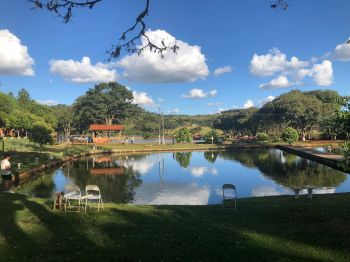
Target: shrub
(290,135)
(41,134)
(263,137)
(211,137)
(345,148)
(183,136)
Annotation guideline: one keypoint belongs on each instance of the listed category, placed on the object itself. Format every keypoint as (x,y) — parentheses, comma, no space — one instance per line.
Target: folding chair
(93,192)
(229,194)
(71,192)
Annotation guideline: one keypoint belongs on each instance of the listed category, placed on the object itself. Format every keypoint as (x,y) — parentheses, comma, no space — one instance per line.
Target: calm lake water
(193,178)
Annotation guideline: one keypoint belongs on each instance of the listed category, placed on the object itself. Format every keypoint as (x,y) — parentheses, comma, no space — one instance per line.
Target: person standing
(6,172)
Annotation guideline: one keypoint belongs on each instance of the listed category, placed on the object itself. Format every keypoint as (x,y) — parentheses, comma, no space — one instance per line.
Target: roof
(106,127)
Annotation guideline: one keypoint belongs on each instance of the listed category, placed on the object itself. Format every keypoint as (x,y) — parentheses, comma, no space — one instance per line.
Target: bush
(41,134)
(183,136)
(290,135)
(345,148)
(211,137)
(263,137)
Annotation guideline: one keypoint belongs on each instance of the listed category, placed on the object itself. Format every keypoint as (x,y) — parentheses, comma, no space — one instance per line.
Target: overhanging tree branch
(279,4)
(64,9)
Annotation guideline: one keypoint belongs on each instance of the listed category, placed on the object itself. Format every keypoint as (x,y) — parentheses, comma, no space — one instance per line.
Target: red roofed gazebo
(103,128)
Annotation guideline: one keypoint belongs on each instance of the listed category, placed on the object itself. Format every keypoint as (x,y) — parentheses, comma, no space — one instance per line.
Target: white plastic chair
(93,192)
(71,192)
(229,193)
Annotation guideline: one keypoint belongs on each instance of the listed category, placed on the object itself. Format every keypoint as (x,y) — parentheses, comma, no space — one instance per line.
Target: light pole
(160,125)
(163,127)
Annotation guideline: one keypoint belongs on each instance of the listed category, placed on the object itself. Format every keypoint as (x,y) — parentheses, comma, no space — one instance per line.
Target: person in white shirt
(6,172)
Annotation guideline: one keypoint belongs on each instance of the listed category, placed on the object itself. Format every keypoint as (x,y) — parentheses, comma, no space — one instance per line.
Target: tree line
(105,103)
(324,111)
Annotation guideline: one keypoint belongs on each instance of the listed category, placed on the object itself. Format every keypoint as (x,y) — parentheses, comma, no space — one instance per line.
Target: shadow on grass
(32,232)
(277,229)
(213,234)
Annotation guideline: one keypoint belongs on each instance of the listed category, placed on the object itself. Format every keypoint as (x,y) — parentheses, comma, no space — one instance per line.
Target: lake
(190,178)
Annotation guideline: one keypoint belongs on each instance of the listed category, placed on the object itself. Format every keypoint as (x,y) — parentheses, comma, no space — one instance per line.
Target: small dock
(327,159)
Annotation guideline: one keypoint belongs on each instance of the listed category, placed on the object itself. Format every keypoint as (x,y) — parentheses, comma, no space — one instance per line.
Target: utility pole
(160,126)
(163,127)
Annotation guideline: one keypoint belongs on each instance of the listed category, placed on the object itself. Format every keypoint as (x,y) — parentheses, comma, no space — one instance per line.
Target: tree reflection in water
(116,187)
(42,187)
(211,156)
(287,169)
(183,158)
(126,178)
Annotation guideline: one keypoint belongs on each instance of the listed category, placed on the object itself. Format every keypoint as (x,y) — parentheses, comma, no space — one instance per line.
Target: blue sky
(260,52)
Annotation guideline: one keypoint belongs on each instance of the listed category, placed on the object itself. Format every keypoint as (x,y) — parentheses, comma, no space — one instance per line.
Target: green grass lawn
(263,229)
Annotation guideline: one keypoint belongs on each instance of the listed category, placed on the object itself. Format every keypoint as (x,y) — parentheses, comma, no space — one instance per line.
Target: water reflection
(198,171)
(211,156)
(289,170)
(183,158)
(190,177)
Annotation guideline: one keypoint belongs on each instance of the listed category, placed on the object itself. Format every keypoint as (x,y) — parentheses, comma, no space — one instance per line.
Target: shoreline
(319,157)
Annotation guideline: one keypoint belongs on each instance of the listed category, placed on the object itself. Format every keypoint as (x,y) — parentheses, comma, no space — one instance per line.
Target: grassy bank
(263,229)
(24,152)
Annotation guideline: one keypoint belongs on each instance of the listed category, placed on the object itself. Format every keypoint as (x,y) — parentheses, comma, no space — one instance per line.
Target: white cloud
(215,104)
(213,171)
(222,70)
(221,109)
(174,111)
(266,100)
(302,73)
(266,191)
(47,102)
(142,166)
(198,171)
(274,62)
(342,52)
(196,93)
(14,57)
(249,103)
(323,73)
(187,65)
(171,193)
(212,93)
(83,71)
(142,99)
(279,82)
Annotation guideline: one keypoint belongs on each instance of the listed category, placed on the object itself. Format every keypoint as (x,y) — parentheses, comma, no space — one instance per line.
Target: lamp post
(160,125)
(163,128)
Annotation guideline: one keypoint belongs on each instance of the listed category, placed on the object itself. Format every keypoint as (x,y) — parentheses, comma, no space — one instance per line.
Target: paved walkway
(328,159)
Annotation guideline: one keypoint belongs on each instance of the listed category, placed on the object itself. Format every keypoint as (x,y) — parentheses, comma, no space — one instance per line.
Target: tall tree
(66,120)
(106,103)
(295,109)
(24,99)
(7,104)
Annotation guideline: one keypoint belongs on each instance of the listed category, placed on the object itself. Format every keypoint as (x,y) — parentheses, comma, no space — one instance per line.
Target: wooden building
(101,133)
